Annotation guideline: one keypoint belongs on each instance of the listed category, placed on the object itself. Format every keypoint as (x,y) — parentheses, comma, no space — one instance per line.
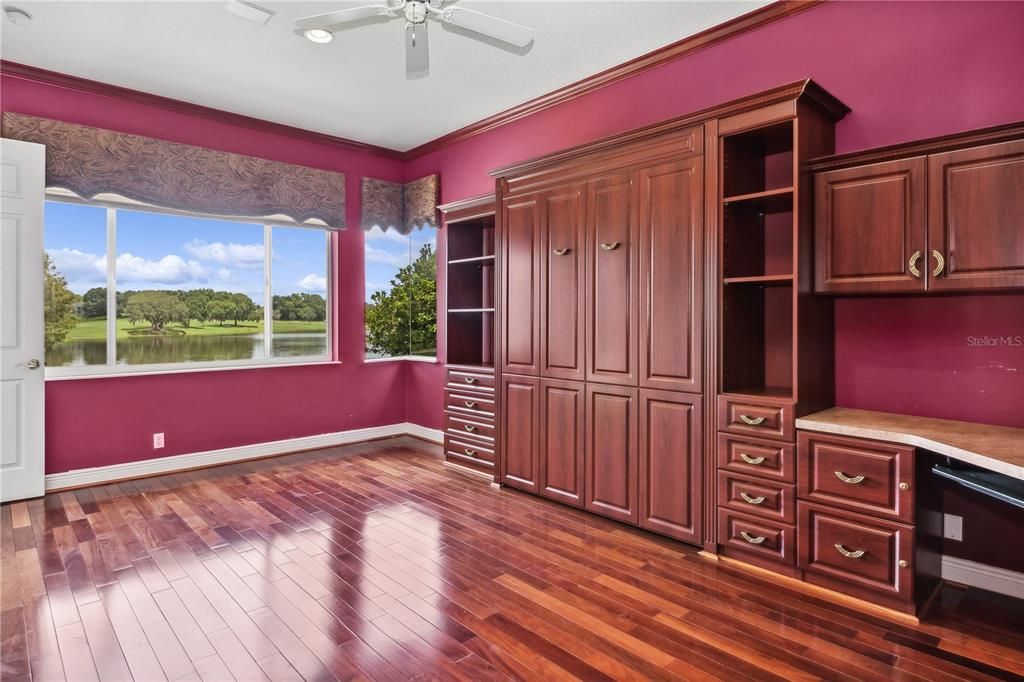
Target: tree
(58,306)
(404,318)
(94,303)
(156,307)
(198,303)
(300,306)
(243,307)
(221,310)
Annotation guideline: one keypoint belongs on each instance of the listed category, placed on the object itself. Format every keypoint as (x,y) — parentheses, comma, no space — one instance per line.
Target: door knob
(31,364)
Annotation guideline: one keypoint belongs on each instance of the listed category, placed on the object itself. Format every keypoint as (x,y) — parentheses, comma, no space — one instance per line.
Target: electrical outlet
(158,440)
(953,527)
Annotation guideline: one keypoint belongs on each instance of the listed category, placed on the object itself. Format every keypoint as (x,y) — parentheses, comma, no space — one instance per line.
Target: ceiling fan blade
(417,50)
(329,20)
(485,24)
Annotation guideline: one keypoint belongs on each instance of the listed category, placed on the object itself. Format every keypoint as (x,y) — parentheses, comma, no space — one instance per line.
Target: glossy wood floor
(376,562)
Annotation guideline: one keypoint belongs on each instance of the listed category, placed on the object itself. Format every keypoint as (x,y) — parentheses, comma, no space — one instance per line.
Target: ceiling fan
(320,28)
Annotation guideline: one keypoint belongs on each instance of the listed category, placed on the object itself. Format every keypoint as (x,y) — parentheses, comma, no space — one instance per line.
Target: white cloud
(75,264)
(378,235)
(375,255)
(314,283)
(231,254)
(170,269)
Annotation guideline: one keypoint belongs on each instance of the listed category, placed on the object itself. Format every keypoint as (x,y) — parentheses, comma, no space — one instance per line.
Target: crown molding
(716,34)
(479,201)
(68,82)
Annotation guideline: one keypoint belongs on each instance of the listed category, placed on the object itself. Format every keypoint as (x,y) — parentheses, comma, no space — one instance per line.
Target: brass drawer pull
(470,428)
(940,263)
(748,420)
(751,460)
(560,252)
(849,554)
(754,540)
(912,264)
(852,480)
(610,246)
(470,452)
(470,404)
(469,380)
(752,500)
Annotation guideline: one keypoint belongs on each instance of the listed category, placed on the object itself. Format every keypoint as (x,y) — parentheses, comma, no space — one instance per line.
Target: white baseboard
(986,577)
(165,465)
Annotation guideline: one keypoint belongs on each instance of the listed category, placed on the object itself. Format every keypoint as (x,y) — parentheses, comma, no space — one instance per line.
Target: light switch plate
(158,440)
(953,527)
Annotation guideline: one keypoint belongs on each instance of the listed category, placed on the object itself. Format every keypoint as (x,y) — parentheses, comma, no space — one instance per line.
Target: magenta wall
(907,70)
(96,422)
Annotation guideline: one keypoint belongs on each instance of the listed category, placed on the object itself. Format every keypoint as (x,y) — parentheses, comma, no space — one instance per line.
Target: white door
(22,165)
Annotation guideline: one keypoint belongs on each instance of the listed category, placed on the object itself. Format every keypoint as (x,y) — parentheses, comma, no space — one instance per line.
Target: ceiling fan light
(318,35)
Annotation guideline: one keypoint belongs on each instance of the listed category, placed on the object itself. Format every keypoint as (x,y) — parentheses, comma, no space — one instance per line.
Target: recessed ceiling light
(318,35)
(248,11)
(18,17)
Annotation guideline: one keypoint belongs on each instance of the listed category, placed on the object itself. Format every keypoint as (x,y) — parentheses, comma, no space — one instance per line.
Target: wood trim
(932,145)
(68,82)
(712,36)
(479,201)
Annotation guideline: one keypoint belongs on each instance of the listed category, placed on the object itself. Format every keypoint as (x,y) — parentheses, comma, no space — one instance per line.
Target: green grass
(97,329)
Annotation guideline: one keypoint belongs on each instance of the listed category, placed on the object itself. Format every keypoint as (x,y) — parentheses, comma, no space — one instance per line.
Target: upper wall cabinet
(937,215)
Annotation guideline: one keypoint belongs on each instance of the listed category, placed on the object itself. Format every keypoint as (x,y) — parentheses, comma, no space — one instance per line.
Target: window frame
(112,369)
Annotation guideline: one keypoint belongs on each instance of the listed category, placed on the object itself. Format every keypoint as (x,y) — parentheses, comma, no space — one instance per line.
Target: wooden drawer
(764,458)
(746,494)
(474,429)
(857,554)
(464,451)
(469,403)
(759,537)
(472,381)
(859,475)
(752,416)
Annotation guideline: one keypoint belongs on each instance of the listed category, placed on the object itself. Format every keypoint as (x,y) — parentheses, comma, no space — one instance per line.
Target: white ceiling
(354,87)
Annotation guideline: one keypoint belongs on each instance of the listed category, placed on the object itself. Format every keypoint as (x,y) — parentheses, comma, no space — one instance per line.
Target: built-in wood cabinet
(562,438)
(520,432)
(519,321)
(935,215)
(611,458)
(563,258)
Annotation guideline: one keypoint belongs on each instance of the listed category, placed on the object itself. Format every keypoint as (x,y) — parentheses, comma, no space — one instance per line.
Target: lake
(150,350)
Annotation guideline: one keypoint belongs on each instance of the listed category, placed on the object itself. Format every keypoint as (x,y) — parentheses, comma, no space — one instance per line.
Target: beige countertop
(997,448)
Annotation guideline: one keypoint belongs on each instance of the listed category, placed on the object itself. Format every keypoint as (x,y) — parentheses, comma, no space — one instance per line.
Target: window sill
(403,358)
(118,372)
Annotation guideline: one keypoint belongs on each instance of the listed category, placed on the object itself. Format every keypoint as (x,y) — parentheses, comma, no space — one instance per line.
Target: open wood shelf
(761,279)
(470,296)
(476,260)
(768,201)
(471,310)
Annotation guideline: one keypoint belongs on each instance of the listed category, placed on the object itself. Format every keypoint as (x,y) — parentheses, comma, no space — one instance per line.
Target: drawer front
(473,429)
(749,495)
(469,381)
(761,537)
(469,403)
(761,417)
(469,452)
(856,554)
(859,475)
(764,458)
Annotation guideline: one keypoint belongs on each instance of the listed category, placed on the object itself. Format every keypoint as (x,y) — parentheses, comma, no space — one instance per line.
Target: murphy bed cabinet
(945,214)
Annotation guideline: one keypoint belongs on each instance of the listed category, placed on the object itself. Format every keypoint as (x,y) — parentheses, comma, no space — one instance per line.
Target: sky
(388,251)
(161,251)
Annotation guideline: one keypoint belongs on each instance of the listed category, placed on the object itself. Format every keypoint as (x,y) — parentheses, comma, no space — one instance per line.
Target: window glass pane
(188,289)
(75,296)
(388,284)
(299,289)
(423,293)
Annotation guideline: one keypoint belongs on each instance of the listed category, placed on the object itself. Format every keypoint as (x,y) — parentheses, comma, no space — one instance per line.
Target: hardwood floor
(374,562)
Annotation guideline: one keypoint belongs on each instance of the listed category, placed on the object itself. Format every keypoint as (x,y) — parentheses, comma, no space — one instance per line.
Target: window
(186,291)
(401,294)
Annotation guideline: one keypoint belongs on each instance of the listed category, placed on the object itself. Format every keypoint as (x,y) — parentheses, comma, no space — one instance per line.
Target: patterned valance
(91,161)
(397,206)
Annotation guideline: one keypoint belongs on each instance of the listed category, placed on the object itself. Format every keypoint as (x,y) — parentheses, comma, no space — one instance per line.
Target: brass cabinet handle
(912,264)
(940,263)
(610,246)
(470,380)
(852,480)
(752,500)
(902,563)
(560,252)
(753,422)
(849,554)
(470,452)
(470,404)
(751,460)
(904,485)
(754,540)
(470,428)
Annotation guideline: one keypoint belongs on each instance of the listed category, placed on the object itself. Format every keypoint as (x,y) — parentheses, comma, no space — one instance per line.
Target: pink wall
(96,422)
(908,70)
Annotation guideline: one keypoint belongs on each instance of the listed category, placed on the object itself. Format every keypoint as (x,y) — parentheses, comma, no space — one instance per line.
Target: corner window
(401,294)
(129,289)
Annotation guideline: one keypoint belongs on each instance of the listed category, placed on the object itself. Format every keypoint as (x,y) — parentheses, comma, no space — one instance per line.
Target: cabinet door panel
(869,223)
(671,271)
(520,286)
(561,444)
(611,463)
(520,432)
(612,281)
(562,286)
(670,464)
(976,218)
